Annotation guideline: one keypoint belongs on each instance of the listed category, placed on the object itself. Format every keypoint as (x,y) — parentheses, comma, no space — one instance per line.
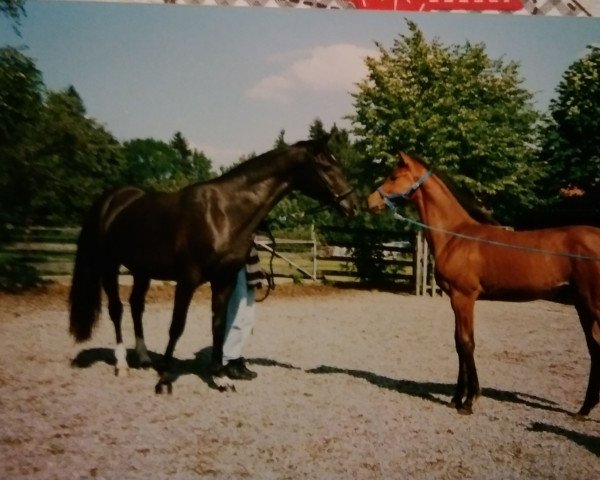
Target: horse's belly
(151,269)
(525,285)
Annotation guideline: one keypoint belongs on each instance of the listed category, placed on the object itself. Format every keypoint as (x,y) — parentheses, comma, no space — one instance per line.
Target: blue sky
(230,78)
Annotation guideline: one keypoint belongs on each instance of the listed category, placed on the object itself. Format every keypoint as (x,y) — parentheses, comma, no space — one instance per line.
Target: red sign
(439,5)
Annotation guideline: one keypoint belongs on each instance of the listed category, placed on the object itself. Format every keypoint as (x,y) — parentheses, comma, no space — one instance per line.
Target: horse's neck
(439,209)
(261,190)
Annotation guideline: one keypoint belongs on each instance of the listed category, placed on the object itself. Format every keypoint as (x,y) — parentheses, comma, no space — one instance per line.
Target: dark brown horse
(473,261)
(202,233)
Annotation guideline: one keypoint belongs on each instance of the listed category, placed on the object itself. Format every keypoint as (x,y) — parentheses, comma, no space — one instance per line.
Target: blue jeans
(240,319)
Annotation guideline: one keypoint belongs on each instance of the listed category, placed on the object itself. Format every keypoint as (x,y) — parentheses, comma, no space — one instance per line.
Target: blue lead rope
(421,225)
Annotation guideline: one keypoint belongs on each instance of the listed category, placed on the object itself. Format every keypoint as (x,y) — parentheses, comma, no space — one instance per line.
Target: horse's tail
(85,294)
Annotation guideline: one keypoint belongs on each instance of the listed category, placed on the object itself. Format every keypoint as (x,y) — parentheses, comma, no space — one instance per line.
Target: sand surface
(351,385)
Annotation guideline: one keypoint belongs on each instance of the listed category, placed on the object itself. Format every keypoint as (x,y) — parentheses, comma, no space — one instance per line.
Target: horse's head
(324,179)
(406,178)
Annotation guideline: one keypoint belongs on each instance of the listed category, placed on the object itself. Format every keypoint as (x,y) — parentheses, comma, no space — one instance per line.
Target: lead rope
(270,275)
(399,216)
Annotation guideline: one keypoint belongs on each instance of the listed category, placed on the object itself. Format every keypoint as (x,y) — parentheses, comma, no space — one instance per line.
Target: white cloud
(333,68)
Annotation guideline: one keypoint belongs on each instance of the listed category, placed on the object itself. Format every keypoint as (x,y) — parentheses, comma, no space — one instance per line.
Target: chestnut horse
(474,260)
(202,233)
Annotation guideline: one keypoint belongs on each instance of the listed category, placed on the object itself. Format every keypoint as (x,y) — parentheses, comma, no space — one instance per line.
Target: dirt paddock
(351,384)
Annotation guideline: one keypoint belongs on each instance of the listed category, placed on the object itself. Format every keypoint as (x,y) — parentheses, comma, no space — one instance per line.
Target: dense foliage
(571,145)
(462,111)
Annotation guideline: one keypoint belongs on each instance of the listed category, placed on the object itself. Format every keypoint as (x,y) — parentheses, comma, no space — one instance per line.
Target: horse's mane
(252,166)
(465,197)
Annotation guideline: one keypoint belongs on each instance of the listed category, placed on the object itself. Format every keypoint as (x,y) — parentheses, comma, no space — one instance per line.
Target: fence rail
(52,251)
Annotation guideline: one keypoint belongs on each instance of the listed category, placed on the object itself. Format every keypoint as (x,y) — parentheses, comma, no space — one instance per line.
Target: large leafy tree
(150,163)
(21,94)
(194,164)
(456,107)
(76,159)
(155,164)
(21,101)
(571,145)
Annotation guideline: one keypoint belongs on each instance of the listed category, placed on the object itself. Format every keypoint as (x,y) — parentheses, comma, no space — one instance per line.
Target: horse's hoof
(229,388)
(464,410)
(223,384)
(158,389)
(580,417)
(121,372)
(145,364)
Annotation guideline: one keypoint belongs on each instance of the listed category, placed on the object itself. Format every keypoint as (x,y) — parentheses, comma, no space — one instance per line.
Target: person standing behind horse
(241,316)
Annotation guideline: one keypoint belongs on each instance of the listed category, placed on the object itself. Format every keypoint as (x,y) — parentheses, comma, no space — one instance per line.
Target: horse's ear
(403,159)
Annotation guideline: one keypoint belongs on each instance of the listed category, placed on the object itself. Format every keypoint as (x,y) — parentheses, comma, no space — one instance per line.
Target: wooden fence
(52,251)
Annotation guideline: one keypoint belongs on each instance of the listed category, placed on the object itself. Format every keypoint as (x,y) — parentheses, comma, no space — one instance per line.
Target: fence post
(425,262)
(313,237)
(417,264)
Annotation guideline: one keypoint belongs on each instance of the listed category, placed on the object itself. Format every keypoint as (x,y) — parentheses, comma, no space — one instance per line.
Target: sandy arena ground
(351,385)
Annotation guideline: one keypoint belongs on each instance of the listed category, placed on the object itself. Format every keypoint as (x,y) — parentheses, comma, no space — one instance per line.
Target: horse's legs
(183,296)
(461,383)
(590,322)
(463,307)
(110,282)
(221,293)
(136,302)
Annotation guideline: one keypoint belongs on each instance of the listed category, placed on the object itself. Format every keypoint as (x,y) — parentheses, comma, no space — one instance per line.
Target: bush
(16,275)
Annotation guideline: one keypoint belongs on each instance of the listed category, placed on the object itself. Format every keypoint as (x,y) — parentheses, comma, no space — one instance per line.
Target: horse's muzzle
(375,202)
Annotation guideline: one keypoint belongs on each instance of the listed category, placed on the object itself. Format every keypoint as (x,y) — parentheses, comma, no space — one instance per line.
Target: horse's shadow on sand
(584,440)
(430,391)
(199,365)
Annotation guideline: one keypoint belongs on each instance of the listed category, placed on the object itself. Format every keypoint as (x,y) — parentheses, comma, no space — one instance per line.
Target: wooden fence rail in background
(52,252)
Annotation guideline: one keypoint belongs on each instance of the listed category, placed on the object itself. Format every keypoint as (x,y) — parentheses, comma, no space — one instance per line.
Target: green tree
(13,10)
(76,159)
(21,101)
(280,140)
(181,146)
(195,165)
(150,163)
(21,94)
(571,144)
(317,130)
(454,106)
(155,164)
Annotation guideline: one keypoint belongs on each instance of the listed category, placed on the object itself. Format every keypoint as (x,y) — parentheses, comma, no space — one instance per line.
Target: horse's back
(503,264)
(140,230)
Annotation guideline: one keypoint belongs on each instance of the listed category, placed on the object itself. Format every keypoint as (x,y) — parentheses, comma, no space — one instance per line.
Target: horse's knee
(465,344)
